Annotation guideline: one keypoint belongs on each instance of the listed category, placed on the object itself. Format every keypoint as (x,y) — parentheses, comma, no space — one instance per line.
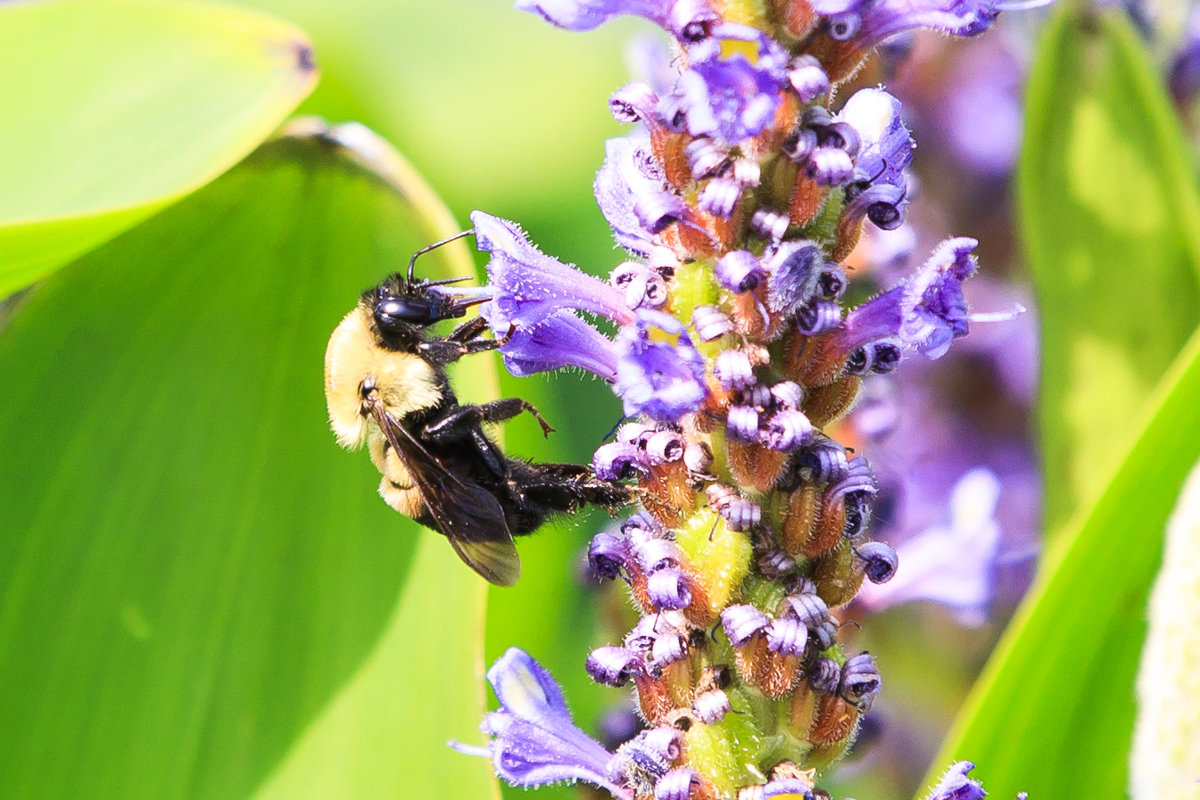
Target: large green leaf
(202,596)
(1053,712)
(114,108)
(1110,217)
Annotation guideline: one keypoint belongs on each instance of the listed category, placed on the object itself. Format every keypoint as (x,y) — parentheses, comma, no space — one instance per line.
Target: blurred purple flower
(687,19)
(534,742)
(632,194)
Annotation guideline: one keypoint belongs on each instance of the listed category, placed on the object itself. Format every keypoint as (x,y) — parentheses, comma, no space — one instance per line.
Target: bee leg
(457,422)
(565,487)
(471,329)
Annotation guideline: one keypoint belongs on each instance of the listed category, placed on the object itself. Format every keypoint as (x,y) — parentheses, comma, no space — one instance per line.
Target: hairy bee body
(386,387)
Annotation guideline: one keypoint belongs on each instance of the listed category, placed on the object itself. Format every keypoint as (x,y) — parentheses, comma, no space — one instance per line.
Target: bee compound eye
(391,311)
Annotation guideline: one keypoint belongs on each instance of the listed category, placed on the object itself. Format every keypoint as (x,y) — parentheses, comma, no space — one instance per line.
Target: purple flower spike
(927,311)
(534,742)
(741,622)
(676,784)
(660,372)
(956,785)
(529,286)
(668,590)
(887,150)
(632,194)
(687,19)
(561,340)
(787,637)
(795,270)
(607,556)
(613,666)
(739,271)
(734,98)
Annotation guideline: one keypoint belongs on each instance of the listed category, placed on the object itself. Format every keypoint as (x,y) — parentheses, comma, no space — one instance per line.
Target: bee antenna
(412,262)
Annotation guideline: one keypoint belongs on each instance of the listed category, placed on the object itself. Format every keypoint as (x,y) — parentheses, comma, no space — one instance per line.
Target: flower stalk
(740,191)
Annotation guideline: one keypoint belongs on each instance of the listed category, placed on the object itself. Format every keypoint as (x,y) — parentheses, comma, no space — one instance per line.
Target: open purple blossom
(528,286)
(633,197)
(886,151)
(687,19)
(533,740)
(730,97)
(925,312)
(558,341)
(866,23)
(660,373)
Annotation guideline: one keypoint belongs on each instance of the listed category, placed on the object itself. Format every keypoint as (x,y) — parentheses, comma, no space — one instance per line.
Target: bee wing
(469,516)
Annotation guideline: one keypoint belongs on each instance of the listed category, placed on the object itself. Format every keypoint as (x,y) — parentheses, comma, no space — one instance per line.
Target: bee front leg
(458,421)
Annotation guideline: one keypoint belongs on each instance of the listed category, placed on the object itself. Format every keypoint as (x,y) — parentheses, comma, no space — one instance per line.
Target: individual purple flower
(633,196)
(660,373)
(951,563)
(528,286)
(558,341)
(957,785)
(729,98)
(687,19)
(927,311)
(866,23)
(886,151)
(534,742)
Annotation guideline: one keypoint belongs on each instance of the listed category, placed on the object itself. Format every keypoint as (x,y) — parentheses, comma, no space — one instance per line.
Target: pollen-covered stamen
(613,666)
(710,323)
(742,423)
(825,675)
(818,316)
(719,197)
(669,590)
(808,609)
(770,224)
(830,166)
(787,637)
(739,271)
(786,430)
(734,370)
(618,461)
(739,513)
(808,78)
(879,561)
(607,556)
(706,159)
(634,102)
(860,681)
(676,784)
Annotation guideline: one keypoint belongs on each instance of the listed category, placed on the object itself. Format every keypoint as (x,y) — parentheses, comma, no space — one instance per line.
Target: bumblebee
(386,387)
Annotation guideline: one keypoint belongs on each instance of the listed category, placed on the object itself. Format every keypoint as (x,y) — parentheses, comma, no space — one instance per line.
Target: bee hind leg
(567,487)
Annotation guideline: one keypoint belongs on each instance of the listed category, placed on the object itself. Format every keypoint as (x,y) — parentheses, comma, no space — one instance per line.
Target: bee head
(401,307)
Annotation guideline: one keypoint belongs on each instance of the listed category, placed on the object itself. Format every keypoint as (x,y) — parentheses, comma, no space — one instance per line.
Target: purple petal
(956,785)
(867,22)
(687,19)
(561,340)
(633,196)
(659,373)
(534,741)
(530,286)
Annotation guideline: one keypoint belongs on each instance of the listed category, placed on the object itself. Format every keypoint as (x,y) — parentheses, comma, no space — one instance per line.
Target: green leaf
(202,595)
(115,108)
(1110,217)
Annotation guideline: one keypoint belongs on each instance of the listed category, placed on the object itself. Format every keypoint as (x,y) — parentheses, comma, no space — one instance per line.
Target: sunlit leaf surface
(114,108)
(1110,217)
(202,596)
